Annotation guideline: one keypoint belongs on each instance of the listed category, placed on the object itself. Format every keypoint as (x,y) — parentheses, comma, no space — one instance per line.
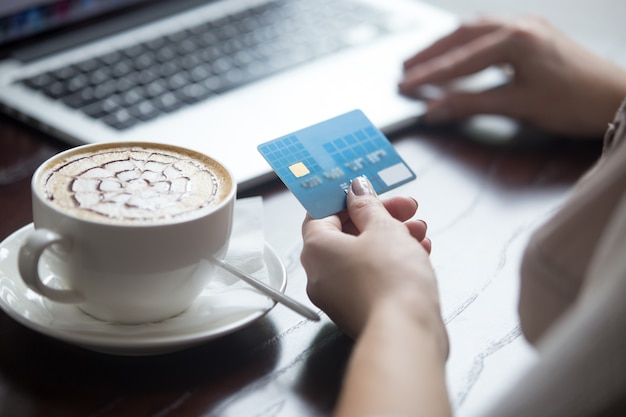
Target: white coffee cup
(128,228)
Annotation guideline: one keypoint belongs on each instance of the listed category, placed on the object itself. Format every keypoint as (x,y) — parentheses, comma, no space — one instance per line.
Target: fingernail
(362,186)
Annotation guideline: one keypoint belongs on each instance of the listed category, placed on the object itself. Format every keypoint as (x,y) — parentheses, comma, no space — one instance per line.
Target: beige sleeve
(582,359)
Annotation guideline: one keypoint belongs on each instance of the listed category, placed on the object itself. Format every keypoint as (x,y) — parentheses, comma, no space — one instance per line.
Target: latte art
(134,184)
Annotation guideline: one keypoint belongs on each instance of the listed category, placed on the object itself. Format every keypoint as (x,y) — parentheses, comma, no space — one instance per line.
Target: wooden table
(481,202)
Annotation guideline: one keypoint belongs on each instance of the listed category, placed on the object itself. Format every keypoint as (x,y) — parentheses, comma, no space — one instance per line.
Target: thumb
(364,207)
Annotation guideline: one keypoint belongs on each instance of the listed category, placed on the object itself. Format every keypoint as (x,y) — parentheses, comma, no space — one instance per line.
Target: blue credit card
(318,163)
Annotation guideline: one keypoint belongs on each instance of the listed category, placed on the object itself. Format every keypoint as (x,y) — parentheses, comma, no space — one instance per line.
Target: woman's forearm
(397,368)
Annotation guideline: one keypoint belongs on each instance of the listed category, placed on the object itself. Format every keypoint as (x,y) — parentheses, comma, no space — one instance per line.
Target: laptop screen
(25,18)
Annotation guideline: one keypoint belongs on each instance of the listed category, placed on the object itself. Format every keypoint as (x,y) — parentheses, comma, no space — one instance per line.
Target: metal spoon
(269,291)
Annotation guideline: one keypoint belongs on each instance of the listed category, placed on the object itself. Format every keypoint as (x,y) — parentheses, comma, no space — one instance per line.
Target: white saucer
(208,318)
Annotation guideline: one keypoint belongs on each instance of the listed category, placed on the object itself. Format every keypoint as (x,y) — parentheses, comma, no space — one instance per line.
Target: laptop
(217,76)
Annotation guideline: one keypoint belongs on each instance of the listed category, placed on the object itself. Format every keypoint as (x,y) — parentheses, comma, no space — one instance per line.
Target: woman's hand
(368,257)
(369,270)
(555,84)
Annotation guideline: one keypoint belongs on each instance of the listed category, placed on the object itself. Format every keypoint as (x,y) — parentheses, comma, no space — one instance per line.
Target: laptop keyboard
(142,82)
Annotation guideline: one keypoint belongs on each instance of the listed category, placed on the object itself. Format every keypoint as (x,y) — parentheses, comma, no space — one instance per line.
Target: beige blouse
(573,298)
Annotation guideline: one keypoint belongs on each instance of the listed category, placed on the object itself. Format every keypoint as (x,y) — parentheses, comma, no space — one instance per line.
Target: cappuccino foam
(134,183)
